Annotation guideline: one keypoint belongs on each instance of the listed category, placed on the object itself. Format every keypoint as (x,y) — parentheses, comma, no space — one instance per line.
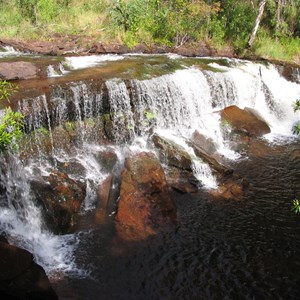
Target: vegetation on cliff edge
(168,22)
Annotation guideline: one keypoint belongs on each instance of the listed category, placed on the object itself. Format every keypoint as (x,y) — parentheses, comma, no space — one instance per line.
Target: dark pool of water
(221,250)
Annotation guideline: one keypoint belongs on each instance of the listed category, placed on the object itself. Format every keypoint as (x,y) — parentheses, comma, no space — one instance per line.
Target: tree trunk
(257,21)
(278,14)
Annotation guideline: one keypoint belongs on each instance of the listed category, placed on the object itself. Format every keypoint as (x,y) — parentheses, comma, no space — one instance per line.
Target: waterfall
(174,105)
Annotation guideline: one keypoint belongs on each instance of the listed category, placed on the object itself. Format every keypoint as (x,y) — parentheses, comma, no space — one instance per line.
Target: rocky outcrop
(245,121)
(172,153)
(21,277)
(80,44)
(182,181)
(145,205)
(61,197)
(179,173)
(18,70)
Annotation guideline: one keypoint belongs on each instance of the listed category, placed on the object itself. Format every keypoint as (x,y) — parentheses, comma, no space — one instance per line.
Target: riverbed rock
(103,197)
(245,121)
(214,161)
(18,70)
(145,205)
(231,188)
(107,159)
(172,153)
(61,197)
(21,277)
(204,143)
(182,181)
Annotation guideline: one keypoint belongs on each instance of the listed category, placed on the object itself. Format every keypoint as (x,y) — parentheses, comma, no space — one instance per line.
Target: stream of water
(221,250)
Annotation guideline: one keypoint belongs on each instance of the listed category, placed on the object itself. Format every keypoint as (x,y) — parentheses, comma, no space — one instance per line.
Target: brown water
(221,249)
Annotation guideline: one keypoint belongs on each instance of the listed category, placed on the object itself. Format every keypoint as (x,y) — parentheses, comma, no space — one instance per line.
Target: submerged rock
(61,198)
(145,204)
(21,277)
(231,188)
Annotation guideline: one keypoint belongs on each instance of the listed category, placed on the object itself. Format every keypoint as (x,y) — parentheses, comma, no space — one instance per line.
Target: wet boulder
(204,143)
(103,197)
(182,181)
(21,277)
(218,167)
(172,153)
(107,159)
(245,121)
(145,205)
(61,197)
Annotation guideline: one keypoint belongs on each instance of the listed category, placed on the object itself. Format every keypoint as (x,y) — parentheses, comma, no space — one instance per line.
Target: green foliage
(296,127)
(296,206)
(297,105)
(10,129)
(150,115)
(46,10)
(127,14)
(168,22)
(6,89)
(11,123)
(238,18)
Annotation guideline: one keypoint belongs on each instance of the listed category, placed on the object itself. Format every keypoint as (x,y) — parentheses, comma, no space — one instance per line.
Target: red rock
(145,204)
(245,122)
(21,277)
(61,197)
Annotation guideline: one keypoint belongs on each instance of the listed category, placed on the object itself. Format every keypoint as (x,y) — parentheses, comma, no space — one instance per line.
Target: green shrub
(11,123)
(296,206)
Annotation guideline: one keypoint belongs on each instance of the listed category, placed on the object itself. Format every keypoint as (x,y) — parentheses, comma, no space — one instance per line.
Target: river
(221,249)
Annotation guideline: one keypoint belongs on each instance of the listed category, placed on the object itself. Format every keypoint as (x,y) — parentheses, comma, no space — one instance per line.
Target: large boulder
(21,277)
(145,204)
(61,197)
(245,121)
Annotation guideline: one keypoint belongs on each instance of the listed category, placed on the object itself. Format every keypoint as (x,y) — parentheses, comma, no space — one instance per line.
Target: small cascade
(56,71)
(7,51)
(82,62)
(21,220)
(120,110)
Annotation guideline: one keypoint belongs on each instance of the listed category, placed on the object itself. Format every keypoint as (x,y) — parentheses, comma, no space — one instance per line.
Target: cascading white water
(21,221)
(174,105)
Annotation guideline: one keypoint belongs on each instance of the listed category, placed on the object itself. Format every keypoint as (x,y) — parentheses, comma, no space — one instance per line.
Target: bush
(10,129)
(11,123)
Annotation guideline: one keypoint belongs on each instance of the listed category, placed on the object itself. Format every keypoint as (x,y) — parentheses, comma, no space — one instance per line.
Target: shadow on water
(221,250)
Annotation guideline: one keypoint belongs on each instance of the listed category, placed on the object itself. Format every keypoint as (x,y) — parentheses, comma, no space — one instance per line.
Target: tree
(257,22)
